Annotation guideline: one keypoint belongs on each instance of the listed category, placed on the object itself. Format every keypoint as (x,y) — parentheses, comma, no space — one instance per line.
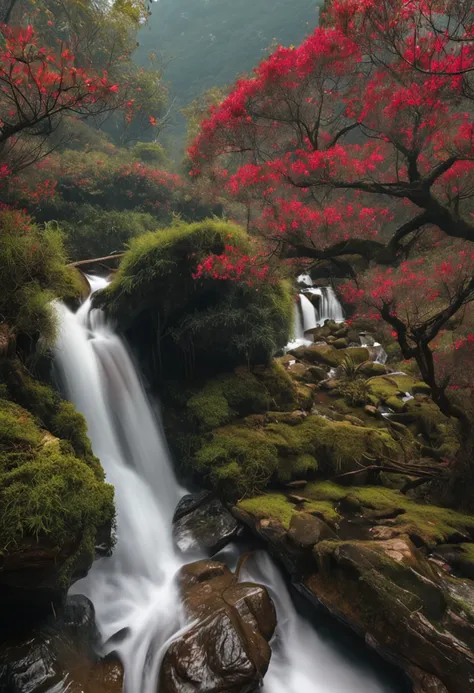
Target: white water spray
(136,601)
(302,662)
(134,594)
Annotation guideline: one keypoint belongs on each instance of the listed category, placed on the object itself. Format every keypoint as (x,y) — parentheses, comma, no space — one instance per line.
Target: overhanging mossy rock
(54,504)
(181,323)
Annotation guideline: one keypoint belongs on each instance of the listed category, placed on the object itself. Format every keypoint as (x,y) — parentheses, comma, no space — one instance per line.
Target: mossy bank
(55,504)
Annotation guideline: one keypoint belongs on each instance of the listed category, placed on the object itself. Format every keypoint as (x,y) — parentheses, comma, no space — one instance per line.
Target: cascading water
(309,313)
(301,661)
(137,605)
(330,308)
(379,353)
(134,594)
(307,316)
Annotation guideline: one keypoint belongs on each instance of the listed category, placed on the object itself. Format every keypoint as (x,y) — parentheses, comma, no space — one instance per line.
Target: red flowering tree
(416,300)
(38,87)
(358,145)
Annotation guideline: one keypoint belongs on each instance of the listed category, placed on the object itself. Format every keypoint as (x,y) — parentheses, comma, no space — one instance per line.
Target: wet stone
(227,650)
(208,527)
(307,530)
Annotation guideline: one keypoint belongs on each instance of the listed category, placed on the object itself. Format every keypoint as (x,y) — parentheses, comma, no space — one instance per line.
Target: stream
(134,593)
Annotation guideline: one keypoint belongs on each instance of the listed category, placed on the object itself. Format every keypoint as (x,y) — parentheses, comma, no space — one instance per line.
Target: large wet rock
(227,649)
(61,651)
(203,523)
(404,599)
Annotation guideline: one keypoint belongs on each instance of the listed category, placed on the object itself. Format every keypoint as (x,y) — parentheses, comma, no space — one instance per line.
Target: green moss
(385,386)
(240,457)
(325,510)
(52,412)
(210,407)
(283,451)
(340,446)
(427,414)
(46,491)
(240,394)
(327,355)
(276,506)
(421,388)
(190,322)
(34,272)
(326,490)
(279,385)
(431,523)
(294,467)
(355,392)
(269,505)
(395,403)
(18,431)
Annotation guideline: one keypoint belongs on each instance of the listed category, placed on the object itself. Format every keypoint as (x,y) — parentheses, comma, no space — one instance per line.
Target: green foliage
(94,232)
(274,505)
(34,271)
(58,416)
(196,322)
(355,392)
(243,459)
(150,153)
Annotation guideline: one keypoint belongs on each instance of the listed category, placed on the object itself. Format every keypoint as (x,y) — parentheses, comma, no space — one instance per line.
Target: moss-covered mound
(181,324)
(55,504)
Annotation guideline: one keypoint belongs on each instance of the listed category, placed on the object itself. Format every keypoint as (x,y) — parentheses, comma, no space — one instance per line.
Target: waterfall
(134,593)
(379,355)
(330,308)
(304,279)
(307,316)
(309,313)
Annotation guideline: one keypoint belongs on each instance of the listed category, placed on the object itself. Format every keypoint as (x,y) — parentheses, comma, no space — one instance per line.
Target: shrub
(34,271)
(94,232)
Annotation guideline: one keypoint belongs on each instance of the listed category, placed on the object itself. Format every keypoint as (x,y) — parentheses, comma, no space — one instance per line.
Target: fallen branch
(95,260)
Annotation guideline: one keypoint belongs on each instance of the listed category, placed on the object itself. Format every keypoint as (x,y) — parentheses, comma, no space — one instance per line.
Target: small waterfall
(307,316)
(379,355)
(330,307)
(310,319)
(304,279)
(134,593)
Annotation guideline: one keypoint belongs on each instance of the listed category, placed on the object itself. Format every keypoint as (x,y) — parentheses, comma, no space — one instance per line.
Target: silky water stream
(134,593)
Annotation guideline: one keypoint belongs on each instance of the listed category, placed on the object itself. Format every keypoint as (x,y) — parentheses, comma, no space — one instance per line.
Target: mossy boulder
(328,355)
(367,570)
(371,369)
(54,502)
(182,323)
(241,459)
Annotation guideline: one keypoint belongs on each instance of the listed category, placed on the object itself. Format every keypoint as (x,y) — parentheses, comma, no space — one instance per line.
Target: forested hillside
(210,42)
